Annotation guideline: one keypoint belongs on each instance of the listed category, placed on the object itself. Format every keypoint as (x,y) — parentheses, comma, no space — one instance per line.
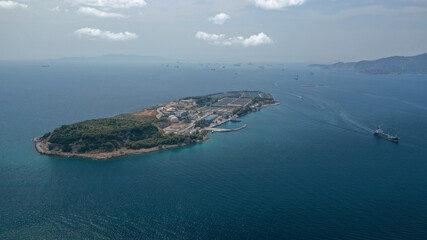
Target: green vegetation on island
(176,123)
(109,134)
(203,123)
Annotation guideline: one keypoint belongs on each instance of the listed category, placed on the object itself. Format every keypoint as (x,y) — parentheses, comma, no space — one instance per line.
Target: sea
(309,168)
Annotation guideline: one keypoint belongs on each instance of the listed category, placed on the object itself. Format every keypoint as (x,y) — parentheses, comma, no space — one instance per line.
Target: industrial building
(181,113)
(173,119)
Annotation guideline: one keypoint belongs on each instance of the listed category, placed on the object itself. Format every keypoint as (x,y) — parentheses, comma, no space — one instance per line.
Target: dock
(225,129)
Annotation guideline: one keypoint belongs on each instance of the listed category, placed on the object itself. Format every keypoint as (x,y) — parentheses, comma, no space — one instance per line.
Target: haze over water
(307,169)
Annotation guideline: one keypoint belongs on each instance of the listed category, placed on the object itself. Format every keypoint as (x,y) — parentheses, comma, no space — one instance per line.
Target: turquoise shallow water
(306,169)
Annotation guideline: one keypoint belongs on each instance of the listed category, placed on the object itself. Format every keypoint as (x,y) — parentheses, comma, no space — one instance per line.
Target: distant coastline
(396,65)
(174,124)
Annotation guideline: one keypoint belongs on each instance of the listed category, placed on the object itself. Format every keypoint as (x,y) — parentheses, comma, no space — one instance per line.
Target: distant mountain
(391,65)
(111,58)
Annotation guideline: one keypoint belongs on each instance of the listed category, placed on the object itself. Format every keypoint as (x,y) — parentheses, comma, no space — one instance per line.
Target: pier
(225,129)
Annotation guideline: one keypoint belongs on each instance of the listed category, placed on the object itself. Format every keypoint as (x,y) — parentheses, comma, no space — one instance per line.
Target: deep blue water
(306,169)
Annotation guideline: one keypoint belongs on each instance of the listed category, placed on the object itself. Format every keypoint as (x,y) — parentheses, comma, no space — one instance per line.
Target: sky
(289,31)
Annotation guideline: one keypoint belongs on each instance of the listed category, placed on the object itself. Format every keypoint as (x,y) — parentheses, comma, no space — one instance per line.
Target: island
(172,124)
(391,65)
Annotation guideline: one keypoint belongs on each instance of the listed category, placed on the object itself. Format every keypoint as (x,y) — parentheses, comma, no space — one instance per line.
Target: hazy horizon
(133,58)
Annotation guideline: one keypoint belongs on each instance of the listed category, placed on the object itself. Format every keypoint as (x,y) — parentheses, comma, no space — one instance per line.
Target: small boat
(380,133)
(296,77)
(235,120)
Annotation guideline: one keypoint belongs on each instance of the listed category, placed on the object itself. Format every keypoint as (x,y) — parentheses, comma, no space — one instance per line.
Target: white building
(173,119)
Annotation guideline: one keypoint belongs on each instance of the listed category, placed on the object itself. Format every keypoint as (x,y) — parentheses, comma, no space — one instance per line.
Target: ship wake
(335,115)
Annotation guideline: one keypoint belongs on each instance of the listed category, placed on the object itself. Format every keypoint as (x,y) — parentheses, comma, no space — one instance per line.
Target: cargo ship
(380,133)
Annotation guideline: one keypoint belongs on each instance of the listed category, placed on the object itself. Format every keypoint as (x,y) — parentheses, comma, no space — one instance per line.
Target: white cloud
(221,39)
(11,5)
(276,4)
(219,18)
(113,3)
(95,33)
(98,13)
(255,40)
(55,9)
(211,38)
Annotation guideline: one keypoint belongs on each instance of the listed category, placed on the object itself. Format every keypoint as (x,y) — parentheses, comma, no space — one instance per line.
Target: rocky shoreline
(174,124)
(42,148)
